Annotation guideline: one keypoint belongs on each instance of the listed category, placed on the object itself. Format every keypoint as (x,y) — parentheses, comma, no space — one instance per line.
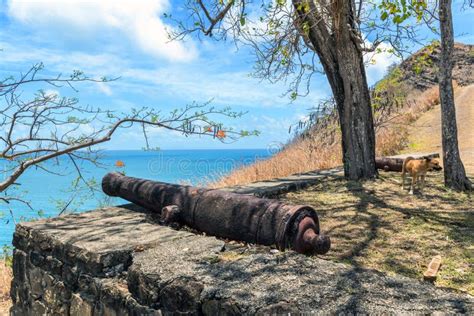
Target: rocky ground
(420,70)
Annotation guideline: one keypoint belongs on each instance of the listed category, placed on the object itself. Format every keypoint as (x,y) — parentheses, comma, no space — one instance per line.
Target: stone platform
(120,261)
(276,187)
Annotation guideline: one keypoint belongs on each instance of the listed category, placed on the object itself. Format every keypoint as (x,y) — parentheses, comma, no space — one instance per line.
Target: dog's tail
(404,166)
(404,169)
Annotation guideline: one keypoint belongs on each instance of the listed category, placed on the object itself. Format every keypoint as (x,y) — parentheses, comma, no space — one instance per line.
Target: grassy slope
(413,84)
(323,150)
(375,224)
(425,134)
(378,226)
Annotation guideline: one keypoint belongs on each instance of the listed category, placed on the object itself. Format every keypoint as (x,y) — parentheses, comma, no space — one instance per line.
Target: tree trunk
(454,173)
(355,111)
(340,54)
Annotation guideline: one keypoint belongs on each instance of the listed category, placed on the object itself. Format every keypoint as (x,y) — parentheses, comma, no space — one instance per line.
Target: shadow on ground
(377,225)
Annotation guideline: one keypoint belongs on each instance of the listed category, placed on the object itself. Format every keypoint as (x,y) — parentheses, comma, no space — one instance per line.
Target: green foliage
(390,88)
(388,97)
(80,191)
(424,60)
(7,255)
(471,53)
(293,95)
(303,6)
(281,2)
(74,119)
(305,26)
(392,78)
(401,10)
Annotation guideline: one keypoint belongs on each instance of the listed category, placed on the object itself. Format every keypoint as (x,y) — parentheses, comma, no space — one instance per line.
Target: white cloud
(51,93)
(235,88)
(137,20)
(378,62)
(200,81)
(104,88)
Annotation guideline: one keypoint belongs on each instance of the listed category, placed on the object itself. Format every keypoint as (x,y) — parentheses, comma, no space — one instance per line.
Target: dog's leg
(403,179)
(422,183)
(413,182)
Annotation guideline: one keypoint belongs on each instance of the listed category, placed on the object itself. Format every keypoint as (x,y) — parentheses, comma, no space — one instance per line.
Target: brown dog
(418,168)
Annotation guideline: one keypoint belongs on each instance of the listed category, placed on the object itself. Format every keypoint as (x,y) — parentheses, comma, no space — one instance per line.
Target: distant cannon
(395,163)
(225,214)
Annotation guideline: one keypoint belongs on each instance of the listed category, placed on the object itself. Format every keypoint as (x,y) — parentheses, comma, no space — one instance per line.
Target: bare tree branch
(48,127)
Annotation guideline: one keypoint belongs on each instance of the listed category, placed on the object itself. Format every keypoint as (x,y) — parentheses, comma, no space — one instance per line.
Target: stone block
(119,261)
(80,307)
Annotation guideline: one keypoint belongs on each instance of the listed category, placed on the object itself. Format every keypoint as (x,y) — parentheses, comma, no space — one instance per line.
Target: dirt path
(425,134)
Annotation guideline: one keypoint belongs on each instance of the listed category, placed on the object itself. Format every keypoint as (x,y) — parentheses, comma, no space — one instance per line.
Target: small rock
(139,248)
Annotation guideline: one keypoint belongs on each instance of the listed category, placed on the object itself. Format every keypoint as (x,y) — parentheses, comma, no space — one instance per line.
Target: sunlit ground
(376,225)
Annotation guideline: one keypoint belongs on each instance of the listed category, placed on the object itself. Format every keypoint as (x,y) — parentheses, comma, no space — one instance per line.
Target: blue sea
(49,194)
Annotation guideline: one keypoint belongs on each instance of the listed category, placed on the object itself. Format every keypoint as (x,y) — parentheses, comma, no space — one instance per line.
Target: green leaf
(398,19)
(242,20)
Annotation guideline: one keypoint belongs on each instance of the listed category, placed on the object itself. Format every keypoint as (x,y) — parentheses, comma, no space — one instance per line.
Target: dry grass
(5,282)
(425,133)
(301,156)
(323,150)
(376,225)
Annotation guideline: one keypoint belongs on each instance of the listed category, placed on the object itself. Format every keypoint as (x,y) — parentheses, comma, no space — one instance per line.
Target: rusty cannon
(225,214)
(395,163)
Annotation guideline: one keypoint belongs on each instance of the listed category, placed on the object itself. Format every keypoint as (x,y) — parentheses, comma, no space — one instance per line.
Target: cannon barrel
(389,164)
(225,214)
(395,163)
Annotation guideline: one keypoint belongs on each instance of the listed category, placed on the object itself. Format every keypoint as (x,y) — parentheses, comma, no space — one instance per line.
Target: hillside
(425,133)
(420,70)
(419,73)
(406,106)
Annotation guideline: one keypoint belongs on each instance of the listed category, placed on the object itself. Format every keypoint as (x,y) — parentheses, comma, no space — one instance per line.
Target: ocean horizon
(49,194)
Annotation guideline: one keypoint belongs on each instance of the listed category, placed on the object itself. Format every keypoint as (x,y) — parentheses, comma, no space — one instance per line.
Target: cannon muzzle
(225,214)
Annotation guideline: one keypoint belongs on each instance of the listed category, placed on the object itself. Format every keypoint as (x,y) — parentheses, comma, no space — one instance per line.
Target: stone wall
(120,261)
(68,272)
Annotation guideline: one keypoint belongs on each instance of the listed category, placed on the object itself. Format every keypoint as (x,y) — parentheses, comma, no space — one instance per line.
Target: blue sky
(128,39)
